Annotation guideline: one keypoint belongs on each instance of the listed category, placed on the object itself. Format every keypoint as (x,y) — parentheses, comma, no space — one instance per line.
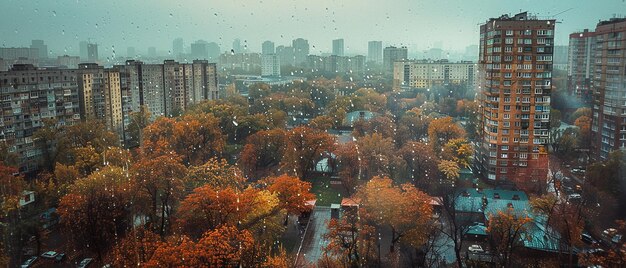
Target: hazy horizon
(116,25)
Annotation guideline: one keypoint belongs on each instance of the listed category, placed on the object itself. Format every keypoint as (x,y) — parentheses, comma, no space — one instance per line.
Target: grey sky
(142,23)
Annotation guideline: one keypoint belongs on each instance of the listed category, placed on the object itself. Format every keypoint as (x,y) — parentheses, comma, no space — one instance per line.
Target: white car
(475,249)
(49,255)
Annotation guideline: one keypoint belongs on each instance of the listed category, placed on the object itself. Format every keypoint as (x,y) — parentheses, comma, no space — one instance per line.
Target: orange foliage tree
(305,146)
(195,137)
(207,207)
(507,232)
(351,241)
(421,163)
(263,153)
(217,173)
(441,130)
(159,180)
(97,208)
(223,247)
(292,193)
(584,124)
(404,209)
(137,248)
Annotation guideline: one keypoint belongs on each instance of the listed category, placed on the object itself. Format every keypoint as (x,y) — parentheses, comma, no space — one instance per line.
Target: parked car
(85,262)
(573,196)
(29,262)
(49,255)
(588,239)
(60,257)
(475,249)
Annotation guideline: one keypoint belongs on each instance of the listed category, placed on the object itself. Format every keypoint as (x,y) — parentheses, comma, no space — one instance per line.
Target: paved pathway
(313,240)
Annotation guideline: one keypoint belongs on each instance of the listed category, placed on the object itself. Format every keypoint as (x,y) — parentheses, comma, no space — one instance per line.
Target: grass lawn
(326,194)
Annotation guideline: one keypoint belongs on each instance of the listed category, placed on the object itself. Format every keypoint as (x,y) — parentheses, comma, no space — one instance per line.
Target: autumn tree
(382,125)
(378,156)
(351,241)
(159,179)
(135,249)
(459,151)
(421,163)
(217,173)
(138,121)
(413,126)
(263,153)
(305,147)
(195,137)
(450,170)
(292,193)
(225,246)
(322,122)
(11,187)
(565,217)
(584,125)
(442,130)
(97,208)
(349,165)
(207,208)
(507,231)
(403,209)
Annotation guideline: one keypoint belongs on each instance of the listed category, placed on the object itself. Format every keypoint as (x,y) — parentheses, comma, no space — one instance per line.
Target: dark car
(60,257)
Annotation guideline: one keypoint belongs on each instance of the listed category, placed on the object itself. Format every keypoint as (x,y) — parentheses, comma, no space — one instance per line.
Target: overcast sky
(142,23)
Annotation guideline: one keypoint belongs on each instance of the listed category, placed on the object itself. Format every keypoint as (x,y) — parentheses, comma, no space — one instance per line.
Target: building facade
(28,96)
(514,84)
(270,65)
(338,48)
(375,51)
(100,95)
(392,54)
(428,74)
(608,128)
(580,65)
(300,50)
(268,48)
(337,64)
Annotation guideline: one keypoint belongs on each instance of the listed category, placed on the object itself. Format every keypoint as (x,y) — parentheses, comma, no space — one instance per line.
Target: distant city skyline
(116,25)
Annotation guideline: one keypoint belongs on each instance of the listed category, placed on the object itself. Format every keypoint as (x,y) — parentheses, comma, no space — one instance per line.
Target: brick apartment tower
(514,84)
(580,65)
(608,128)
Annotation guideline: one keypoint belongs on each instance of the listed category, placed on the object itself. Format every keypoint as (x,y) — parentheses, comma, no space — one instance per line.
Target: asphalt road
(313,242)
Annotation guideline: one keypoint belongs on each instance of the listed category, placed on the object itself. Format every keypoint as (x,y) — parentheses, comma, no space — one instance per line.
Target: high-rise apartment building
(300,50)
(580,67)
(267,48)
(167,89)
(392,54)
(338,47)
(92,52)
(82,48)
(427,74)
(14,53)
(514,83)
(29,95)
(286,55)
(270,65)
(178,48)
(337,64)
(100,95)
(199,50)
(41,47)
(608,128)
(375,51)
(237,46)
